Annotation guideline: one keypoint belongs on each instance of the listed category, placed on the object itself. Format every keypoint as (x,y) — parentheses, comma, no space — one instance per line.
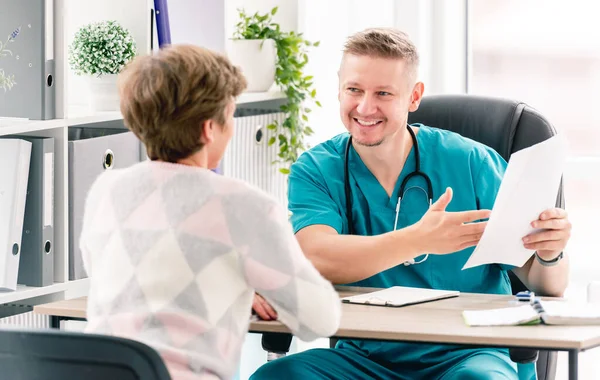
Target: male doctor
(392,235)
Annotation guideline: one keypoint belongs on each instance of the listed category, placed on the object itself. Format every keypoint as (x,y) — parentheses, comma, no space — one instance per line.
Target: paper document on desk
(529,187)
(397,296)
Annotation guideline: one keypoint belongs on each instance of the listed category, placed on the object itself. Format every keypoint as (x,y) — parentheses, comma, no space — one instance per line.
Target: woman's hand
(262,308)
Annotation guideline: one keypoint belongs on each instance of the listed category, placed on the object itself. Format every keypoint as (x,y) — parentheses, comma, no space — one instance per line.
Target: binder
(15,155)
(27,68)
(93,148)
(36,266)
(163,28)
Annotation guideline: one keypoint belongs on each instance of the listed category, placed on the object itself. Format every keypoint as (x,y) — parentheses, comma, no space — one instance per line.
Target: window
(547,54)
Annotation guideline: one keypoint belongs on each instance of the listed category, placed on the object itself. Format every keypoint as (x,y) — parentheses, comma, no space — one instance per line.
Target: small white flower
(101,48)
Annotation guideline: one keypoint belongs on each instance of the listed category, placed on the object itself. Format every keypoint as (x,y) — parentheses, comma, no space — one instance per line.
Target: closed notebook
(397,296)
(547,312)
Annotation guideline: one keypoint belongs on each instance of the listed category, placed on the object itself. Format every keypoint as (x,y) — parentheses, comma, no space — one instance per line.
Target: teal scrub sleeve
(309,199)
(487,183)
(488,178)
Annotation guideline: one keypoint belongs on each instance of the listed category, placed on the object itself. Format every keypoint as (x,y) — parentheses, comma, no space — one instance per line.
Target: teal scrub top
(473,171)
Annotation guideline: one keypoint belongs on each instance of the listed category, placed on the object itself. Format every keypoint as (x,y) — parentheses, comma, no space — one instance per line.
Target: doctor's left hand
(550,242)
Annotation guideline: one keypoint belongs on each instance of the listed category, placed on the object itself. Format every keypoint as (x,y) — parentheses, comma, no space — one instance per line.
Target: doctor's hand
(552,240)
(442,232)
(262,308)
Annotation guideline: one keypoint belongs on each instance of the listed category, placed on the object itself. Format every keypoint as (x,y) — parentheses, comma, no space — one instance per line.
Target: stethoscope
(401,193)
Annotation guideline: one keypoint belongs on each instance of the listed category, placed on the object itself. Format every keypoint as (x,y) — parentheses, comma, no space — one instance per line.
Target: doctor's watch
(549,263)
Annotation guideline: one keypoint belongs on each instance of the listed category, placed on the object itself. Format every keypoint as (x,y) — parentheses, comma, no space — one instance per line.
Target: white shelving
(41,125)
(69,15)
(79,287)
(29,126)
(254,97)
(58,129)
(26,292)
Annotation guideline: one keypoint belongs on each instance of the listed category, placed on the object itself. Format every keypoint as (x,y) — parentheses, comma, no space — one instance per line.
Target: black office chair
(506,126)
(59,355)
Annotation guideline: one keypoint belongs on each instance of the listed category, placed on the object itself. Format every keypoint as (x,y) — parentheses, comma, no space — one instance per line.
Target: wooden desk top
(434,322)
(73,308)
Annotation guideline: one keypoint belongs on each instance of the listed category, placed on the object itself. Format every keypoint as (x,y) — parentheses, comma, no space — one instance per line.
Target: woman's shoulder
(242,193)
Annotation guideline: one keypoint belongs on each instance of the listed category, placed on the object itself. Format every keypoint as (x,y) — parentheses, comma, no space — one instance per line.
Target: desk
(435,322)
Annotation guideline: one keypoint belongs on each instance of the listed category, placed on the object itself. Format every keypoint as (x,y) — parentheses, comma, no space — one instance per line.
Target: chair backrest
(507,126)
(58,355)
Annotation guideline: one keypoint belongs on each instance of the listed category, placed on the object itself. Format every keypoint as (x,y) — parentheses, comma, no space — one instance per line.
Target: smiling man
(390,204)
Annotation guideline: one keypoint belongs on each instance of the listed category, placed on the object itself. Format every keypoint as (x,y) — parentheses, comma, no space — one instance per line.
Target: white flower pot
(257,63)
(104,95)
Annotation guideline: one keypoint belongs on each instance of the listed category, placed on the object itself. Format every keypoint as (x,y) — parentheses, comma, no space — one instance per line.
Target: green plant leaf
(318,103)
(284,171)
(292,57)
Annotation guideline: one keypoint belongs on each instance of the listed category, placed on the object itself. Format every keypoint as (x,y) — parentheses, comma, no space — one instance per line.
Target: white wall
(437,27)
(286,17)
(198,22)
(330,23)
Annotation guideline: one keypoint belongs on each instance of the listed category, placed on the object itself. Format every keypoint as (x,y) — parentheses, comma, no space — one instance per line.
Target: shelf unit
(58,128)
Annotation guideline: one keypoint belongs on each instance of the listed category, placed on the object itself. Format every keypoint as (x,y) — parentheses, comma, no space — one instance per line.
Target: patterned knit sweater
(175,253)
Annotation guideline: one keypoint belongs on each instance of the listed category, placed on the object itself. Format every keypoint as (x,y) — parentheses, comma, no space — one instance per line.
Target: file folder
(93,149)
(163,28)
(27,69)
(15,155)
(36,267)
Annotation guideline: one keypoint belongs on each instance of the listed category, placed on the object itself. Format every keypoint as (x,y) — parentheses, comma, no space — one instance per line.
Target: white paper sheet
(510,316)
(529,187)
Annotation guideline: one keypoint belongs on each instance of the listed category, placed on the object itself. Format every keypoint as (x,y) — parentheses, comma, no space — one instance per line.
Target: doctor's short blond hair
(166,97)
(387,43)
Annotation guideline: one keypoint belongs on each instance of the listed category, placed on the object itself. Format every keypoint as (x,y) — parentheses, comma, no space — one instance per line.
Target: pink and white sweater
(175,253)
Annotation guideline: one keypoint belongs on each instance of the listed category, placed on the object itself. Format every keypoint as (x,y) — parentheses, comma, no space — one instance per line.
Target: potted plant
(256,56)
(292,57)
(99,51)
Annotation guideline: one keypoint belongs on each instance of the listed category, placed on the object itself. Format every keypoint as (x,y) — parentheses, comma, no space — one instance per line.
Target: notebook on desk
(547,312)
(398,296)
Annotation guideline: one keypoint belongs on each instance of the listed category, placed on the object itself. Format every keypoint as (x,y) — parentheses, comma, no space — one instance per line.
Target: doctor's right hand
(443,232)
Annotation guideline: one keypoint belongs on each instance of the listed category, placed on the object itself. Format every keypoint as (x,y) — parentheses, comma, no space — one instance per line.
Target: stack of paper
(570,313)
(511,316)
(529,187)
(548,312)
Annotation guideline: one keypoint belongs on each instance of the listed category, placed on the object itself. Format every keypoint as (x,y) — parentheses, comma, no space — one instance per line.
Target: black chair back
(59,355)
(507,126)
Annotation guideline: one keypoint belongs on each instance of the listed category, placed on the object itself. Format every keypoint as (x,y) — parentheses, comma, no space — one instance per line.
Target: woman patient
(174,251)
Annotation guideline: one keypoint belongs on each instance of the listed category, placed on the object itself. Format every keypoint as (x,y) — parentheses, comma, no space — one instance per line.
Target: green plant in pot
(99,52)
(292,58)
